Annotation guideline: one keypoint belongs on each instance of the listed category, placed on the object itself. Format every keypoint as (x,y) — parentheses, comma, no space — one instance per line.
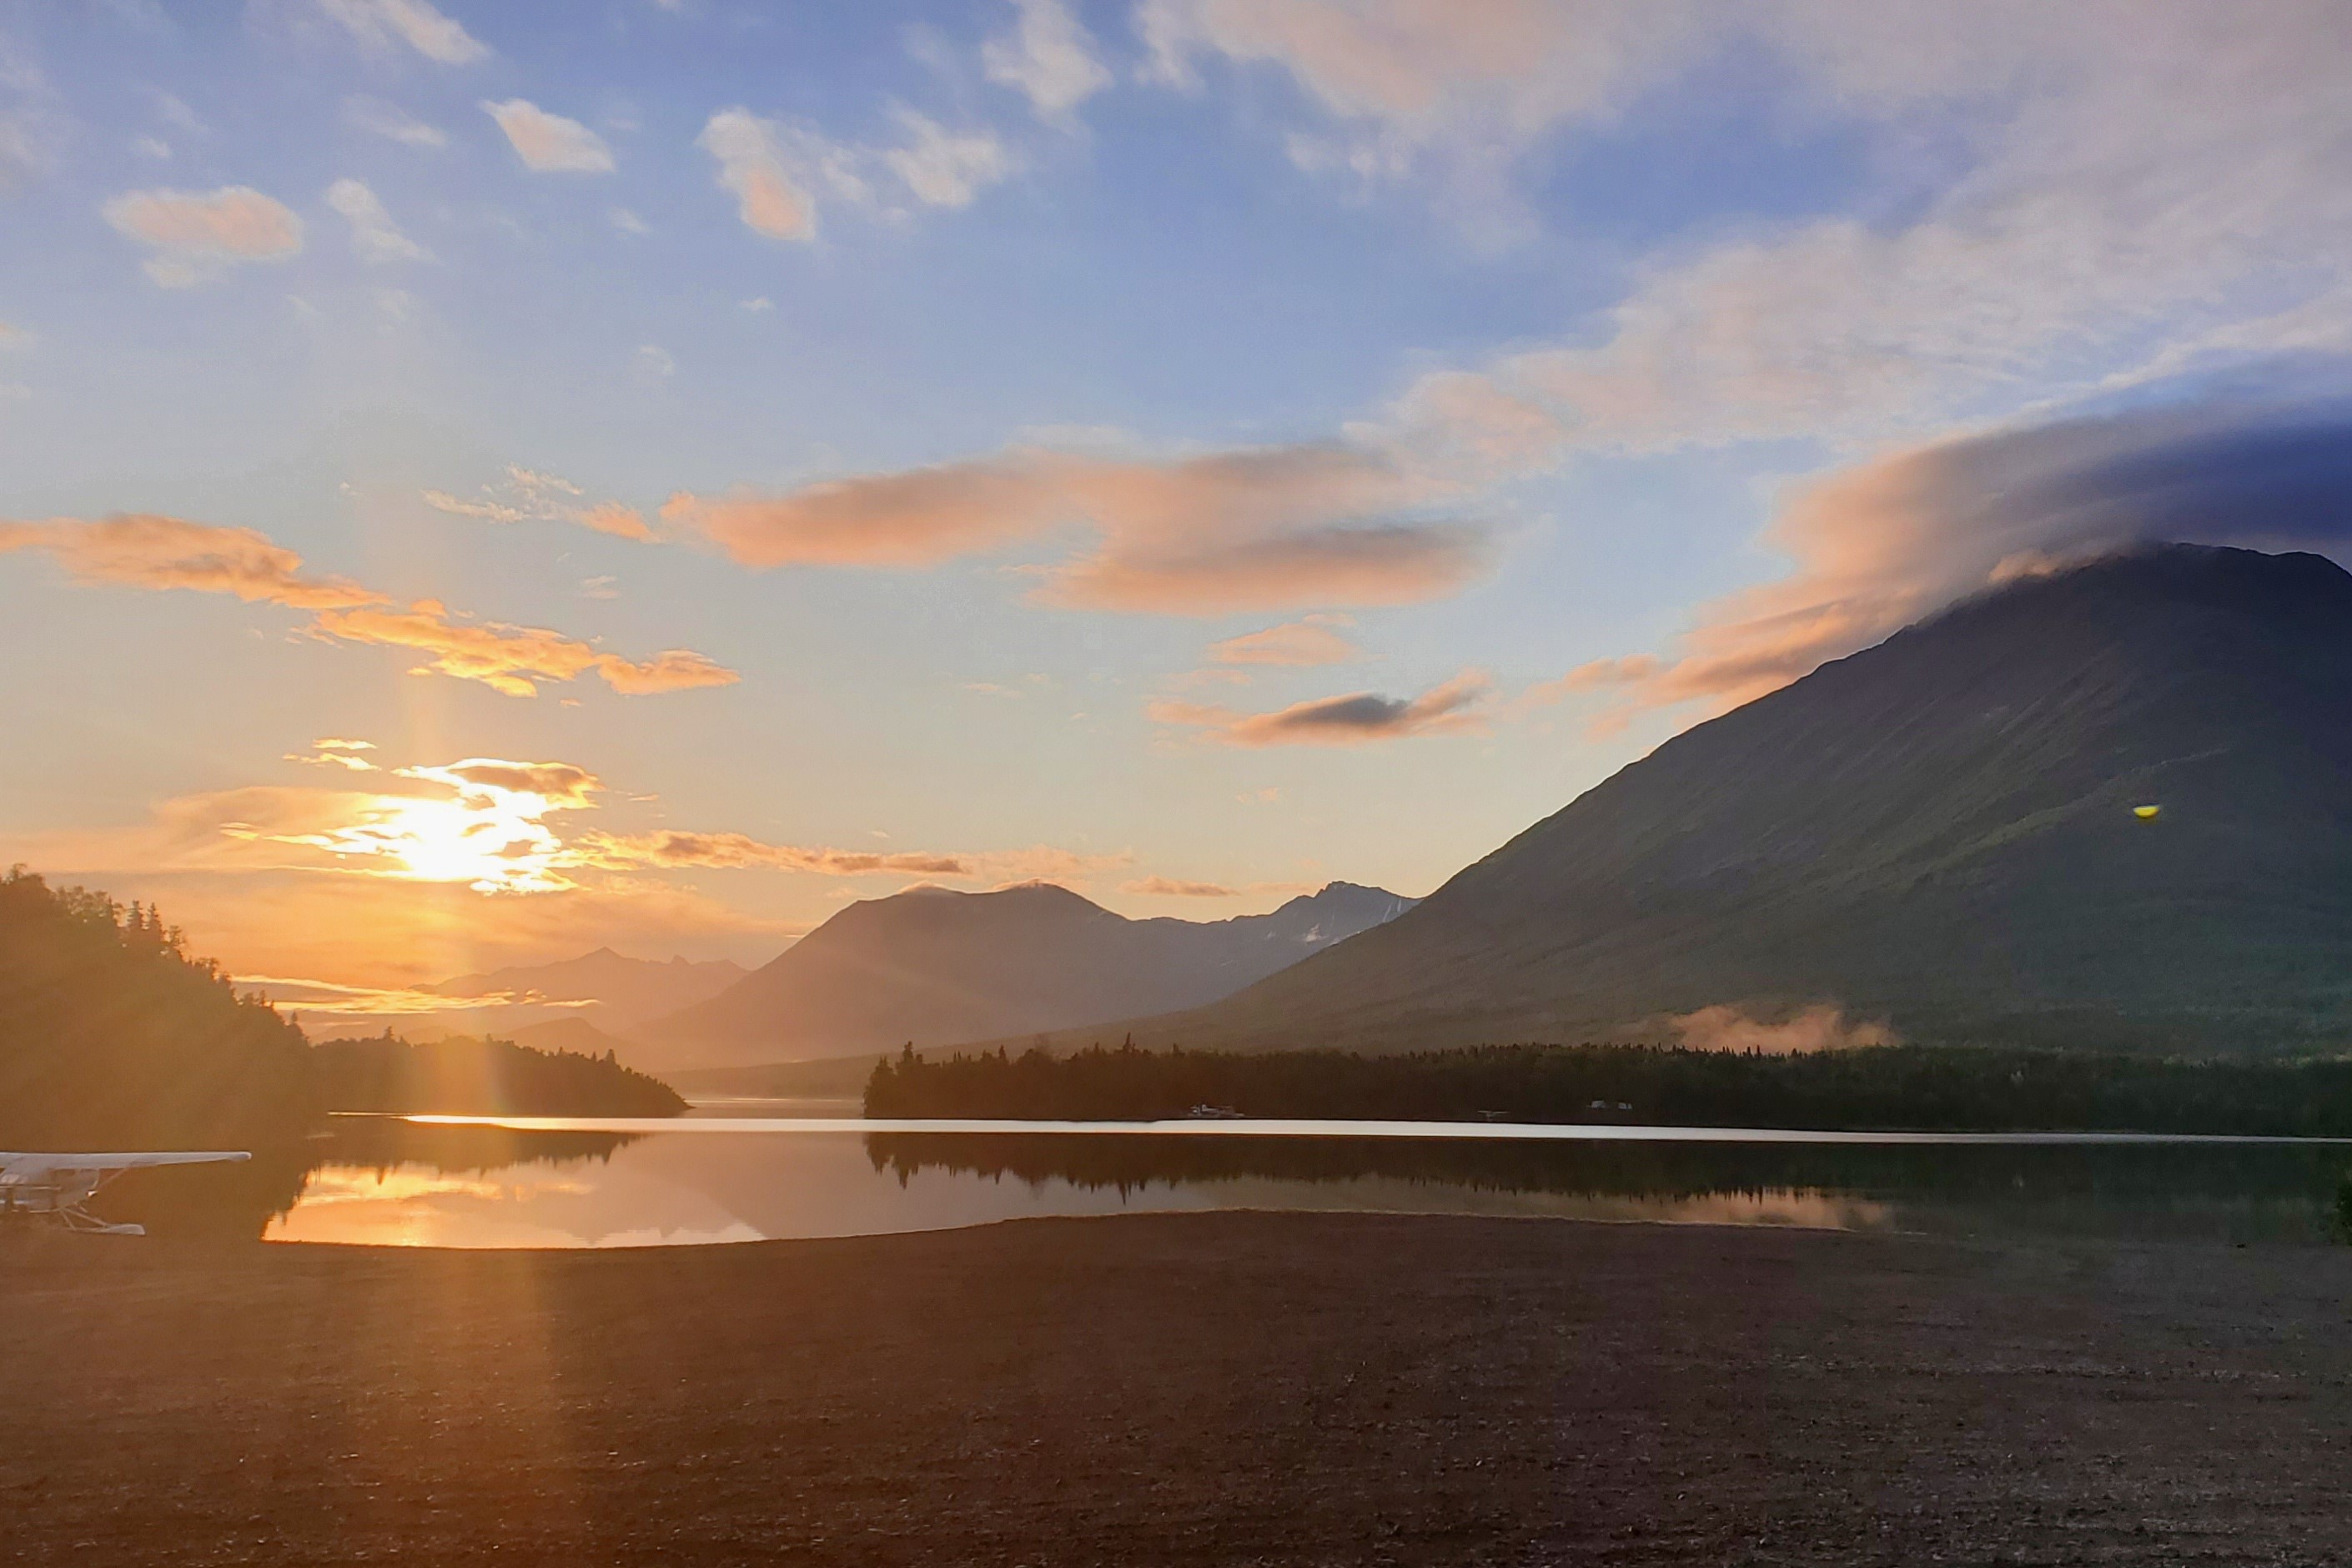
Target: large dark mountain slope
(941,968)
(1938,832)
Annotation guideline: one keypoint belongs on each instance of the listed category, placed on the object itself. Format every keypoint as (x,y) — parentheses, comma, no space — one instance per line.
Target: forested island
(113,1034)
(1914,1088)
(465,1076)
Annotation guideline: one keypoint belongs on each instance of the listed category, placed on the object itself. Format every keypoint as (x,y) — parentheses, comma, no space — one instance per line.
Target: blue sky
(848,439)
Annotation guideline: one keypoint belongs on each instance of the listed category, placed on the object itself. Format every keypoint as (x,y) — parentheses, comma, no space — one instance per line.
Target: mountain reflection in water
(395,1183)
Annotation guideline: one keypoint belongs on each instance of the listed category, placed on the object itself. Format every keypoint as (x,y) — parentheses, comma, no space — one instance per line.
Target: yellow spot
(2146,813)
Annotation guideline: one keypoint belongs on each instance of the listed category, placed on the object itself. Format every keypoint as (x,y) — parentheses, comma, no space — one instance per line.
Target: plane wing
(57,1185)
(42,1167)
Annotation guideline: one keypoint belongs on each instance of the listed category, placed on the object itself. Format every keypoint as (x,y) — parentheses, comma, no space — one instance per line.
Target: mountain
(614,989)
(941,968)
(1950,833)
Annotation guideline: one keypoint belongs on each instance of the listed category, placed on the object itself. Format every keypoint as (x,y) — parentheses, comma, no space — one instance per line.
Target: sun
(482,824)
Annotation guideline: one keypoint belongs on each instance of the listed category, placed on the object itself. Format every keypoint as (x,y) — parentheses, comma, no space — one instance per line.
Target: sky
(482,483)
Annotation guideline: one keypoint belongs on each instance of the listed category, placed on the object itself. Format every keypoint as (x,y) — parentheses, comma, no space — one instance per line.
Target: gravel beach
(1181,1389)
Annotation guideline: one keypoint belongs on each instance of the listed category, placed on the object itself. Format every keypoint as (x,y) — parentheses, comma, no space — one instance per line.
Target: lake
(741,1172)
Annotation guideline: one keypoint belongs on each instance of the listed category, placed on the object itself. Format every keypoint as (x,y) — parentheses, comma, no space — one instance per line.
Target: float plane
(58,1186)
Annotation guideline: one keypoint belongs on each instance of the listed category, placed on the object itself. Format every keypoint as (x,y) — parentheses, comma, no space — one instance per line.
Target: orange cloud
(1257,529)
(1168,888)
(559,786)
(1352,720)
(326,759)
(195,234)
(1307,642)
(916,517)
(673,669)
(139,550)
(1177,888)
(512,659)
(142,551)
(672,851)
(755,166)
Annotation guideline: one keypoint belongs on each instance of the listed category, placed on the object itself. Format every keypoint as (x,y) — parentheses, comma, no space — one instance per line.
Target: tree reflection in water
(238,1201)
(2158,1189)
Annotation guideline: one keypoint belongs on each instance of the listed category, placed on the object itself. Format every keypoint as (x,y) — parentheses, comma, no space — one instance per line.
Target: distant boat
(1212,1113)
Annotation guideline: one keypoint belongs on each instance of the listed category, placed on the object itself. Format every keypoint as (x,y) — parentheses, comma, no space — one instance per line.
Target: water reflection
(2218,1191)
(393,1183)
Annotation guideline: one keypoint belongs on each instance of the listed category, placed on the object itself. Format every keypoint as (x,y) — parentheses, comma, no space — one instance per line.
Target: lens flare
(487,831)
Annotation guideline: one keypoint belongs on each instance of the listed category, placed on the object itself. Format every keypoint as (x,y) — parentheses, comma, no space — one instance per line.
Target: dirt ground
(1227,1388)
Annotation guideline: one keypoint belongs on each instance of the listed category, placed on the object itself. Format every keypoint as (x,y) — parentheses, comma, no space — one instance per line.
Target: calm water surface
(744,1170)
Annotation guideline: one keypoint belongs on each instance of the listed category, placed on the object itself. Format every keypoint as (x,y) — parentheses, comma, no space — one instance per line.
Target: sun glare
(489,831)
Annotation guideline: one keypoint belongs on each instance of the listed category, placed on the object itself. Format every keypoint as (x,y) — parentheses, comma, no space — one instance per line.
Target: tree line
(1913,1088)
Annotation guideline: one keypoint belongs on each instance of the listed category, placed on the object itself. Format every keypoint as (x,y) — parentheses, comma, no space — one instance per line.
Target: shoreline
(1370,1127)
(1183,1388)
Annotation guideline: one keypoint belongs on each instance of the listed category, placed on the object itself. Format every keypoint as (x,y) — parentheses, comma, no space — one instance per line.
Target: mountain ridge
(940,967)
(1943,831)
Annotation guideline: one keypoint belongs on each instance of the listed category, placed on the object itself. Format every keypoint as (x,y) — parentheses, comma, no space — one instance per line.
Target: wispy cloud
(780,173)
(1177,888)
(390,24)
(943,168)
(375,238)
(673,850)
(523,494)
(1453,707)
(391,122)
(1048,57)
(550,144)
(194,235)
(1311,641)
